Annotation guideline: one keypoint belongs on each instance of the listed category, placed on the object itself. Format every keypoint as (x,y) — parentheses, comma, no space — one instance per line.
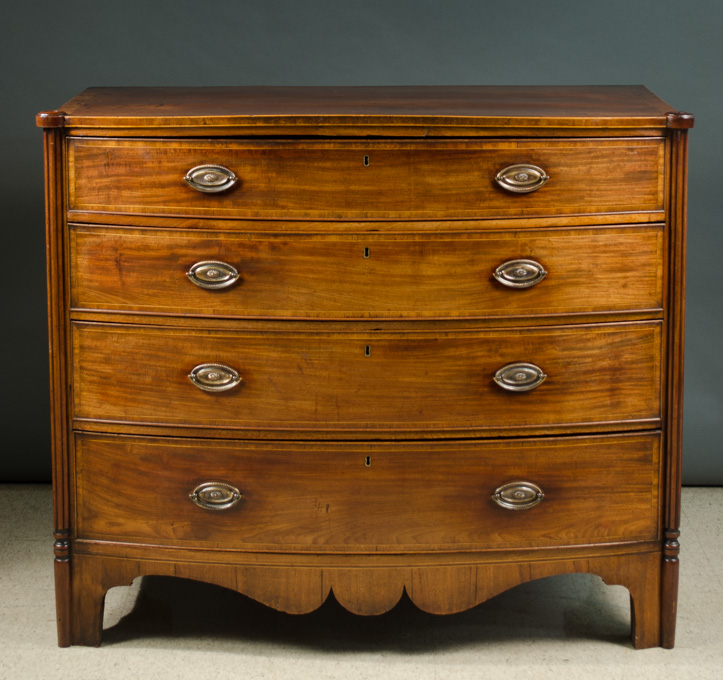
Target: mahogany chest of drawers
(366,340)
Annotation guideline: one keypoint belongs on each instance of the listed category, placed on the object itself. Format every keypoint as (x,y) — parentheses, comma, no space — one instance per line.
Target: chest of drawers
(364,341)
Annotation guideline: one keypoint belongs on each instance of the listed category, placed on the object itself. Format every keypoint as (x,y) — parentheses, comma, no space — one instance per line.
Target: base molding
(366,589)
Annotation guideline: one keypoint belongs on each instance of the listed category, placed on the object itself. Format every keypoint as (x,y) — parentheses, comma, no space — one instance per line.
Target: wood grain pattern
(312,109)
(367,435)
(367,275)
(674,386)
(368,497)
(315,179)
(388,227)
(442,128)
(447,590)
(409,381)
(55,239)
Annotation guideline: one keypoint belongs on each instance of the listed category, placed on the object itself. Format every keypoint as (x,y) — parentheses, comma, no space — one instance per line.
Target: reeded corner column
(678,125)
(53,123)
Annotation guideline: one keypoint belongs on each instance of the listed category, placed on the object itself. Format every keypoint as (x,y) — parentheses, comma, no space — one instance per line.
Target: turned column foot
(671,549)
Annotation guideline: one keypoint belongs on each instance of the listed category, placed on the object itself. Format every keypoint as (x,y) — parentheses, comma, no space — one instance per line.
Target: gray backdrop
(52,50)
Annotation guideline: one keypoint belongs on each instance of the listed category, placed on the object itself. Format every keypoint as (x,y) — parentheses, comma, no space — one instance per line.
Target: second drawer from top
(495,274)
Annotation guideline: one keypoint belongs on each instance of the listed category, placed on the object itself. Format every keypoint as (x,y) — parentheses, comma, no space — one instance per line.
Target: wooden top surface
(487,106)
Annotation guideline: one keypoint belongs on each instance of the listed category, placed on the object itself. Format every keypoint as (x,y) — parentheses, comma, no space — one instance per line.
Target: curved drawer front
(376,496)
(378,381)
(361,180)
(601,270)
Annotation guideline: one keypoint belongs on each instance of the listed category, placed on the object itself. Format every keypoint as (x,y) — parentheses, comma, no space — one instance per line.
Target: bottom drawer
(391,497)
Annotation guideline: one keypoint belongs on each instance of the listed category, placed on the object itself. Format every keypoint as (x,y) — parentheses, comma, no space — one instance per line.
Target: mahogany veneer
(284,507)
(326,276)
(409,383)
(399,179)
(314,340)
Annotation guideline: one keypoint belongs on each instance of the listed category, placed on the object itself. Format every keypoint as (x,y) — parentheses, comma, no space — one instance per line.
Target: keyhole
(368,461)
(366,161)
(367,351)
(366,252)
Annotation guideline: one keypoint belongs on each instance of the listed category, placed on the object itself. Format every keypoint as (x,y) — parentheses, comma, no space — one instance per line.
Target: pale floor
(564,627)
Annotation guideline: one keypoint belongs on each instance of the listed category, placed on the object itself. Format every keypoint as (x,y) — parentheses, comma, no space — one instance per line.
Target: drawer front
(367,276)
(365,179)
(375,496)
(339,382)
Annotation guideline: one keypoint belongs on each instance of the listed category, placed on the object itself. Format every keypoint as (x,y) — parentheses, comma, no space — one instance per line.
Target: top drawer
(366,180)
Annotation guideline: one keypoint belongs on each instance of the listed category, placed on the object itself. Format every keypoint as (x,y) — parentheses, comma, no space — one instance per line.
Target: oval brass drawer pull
(521,178)
(518,495)
(215,495)
(210,179)
(520,273)
(520,377)
(214,377)
(213,274)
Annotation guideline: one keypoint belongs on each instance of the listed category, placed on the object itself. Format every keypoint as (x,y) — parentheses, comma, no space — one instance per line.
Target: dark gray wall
(50,51)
